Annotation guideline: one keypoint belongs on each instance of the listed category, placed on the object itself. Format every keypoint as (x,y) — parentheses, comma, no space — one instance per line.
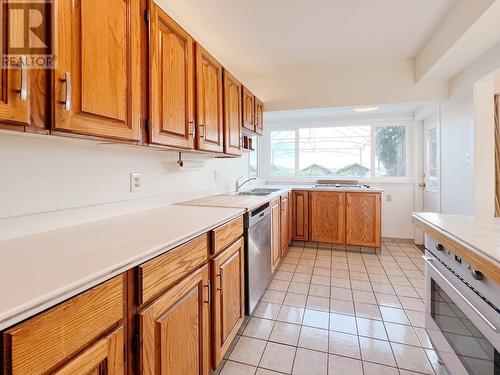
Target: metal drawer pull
(221,280)
(24,79)
(428,261)
(202,127)
(193,128)
(209,286)
(67,79)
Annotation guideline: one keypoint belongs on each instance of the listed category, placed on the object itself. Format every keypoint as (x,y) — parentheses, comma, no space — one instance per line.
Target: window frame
(374,124)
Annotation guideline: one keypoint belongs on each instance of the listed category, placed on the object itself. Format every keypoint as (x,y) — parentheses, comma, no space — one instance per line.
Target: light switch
(467,158)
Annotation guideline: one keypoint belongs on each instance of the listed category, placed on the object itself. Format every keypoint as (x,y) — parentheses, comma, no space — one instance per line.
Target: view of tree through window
(390,157)
(356,151)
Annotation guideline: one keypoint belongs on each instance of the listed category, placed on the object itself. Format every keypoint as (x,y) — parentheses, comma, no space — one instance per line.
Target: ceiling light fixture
(367,109)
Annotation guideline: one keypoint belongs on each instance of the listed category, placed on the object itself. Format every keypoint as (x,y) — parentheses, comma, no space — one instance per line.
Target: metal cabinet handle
(428,261)
(24,79)
(67,79)
(202,135)
(193,128)
(209,286)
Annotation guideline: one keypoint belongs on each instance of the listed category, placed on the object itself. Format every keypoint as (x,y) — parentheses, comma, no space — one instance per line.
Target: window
(283,153)
(253,159)
(390,151)
(362,152)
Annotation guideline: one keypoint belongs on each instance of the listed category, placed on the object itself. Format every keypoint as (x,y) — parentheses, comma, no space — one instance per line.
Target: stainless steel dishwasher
(257,255)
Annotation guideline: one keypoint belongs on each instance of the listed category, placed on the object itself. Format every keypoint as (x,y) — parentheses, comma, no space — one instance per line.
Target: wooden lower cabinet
(105,357)
(284,223)
(363,219)
(327,217)
(275,233)
(175,329)
(228,275)
(300,213)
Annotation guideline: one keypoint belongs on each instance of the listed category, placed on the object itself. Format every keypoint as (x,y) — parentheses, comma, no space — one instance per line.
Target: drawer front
(226,234)
(48,340)
(162,272)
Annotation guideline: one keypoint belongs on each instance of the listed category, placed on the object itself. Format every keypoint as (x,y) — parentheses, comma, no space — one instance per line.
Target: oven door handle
(429,261)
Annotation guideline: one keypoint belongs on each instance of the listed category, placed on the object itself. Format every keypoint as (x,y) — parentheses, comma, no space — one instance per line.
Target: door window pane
(390,151)
(283,153)
(341,151)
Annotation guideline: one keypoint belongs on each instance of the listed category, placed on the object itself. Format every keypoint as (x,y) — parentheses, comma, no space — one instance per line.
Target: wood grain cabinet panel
(232,115)
(162,272)
(175,331)
(229,298)
(259,116)
(363,219)
(300,212)
(327,217)
(14,107)
(45,342)
(105,357)
(275,233)
(248,115)
(284,223)
(96,85)
(210,134)
(226,234)
(171,82)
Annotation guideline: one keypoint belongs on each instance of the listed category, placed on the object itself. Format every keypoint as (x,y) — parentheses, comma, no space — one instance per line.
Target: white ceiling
(265,37)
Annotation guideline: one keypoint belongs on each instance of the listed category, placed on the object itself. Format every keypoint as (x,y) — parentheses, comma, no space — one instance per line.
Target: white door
(431,183)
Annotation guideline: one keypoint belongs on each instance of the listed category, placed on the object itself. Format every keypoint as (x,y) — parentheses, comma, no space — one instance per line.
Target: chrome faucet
(238,185)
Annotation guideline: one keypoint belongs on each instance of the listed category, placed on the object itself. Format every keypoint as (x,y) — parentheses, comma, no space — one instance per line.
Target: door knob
(422,184)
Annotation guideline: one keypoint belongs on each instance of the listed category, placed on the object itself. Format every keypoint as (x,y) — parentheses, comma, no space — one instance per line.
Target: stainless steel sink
(258,191)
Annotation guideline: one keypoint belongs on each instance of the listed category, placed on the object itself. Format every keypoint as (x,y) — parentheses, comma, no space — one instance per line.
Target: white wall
(48,182)
(458,124)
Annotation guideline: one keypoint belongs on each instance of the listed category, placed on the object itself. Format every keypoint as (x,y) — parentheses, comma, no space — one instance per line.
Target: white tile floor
(330,312)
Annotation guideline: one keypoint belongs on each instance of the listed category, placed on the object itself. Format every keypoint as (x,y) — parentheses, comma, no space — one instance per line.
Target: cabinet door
(96,86)
(14,83)
(363,219)
(171,82)
(209,102)
(284,225)
(248,110)
(105,357)
(275,234)
(232,114)
(259,116)
(175,329)
(327,217)
(300,212)
(229,298)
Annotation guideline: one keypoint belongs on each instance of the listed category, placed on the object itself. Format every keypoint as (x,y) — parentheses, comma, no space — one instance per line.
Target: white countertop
(41,270)
(250,202)
(481,235)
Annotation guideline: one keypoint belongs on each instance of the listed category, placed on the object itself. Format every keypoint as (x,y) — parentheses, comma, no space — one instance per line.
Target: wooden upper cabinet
(232,114)
(248,115)
(363,219)
(14,83)
(259,116)
(209,133)
(105,357)
(229,298)
(284,223)
(171,82)
(96,84)
(327,217)
(175,333)
(275,233)
(300,212)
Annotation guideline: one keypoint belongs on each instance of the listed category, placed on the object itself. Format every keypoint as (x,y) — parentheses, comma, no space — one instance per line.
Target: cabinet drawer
(226,234)
(48,340)
(162,272)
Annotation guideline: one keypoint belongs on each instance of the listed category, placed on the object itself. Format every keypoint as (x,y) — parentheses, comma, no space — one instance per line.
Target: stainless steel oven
(462,313)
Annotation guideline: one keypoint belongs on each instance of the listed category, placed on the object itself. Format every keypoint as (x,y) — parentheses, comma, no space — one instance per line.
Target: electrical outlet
(388,198)
(467,158)
(135,182)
